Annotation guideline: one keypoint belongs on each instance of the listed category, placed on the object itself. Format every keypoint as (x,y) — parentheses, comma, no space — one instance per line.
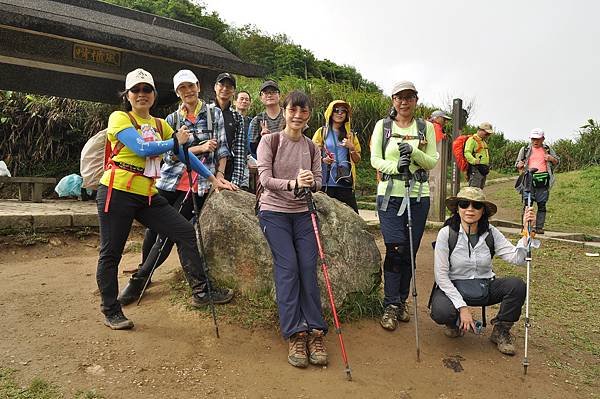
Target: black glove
(405,149)
(403,163)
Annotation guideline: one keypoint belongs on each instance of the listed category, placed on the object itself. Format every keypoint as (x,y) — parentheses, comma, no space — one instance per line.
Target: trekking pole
(406,176)
(315,222)
(200,244)
(160,250)
(528,182)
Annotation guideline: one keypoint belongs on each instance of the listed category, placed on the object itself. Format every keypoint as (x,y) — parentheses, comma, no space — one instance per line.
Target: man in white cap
(439,119)
(477,155)
(402,149)
(541,157)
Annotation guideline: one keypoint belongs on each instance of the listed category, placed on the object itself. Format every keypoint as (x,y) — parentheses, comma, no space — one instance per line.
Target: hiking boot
(132,290)
(297,350)
(502,337)
(118,321)
(389,320)
(539,230)
(403,314)
(219,296)
(452,331)
(317,354)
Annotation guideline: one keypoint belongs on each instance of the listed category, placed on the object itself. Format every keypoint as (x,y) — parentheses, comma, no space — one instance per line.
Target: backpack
(274,146)
(97,153)
(458,149)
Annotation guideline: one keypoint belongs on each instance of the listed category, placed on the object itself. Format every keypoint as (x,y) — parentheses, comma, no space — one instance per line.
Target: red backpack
(458,149)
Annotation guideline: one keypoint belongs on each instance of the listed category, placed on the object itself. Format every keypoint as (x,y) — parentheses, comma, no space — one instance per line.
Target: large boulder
(237,251)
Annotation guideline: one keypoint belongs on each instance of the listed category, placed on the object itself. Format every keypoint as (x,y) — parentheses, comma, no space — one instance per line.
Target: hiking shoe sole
(124,325)
(222,298)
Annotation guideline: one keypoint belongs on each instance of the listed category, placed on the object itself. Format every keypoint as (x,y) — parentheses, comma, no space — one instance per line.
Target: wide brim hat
(471,194)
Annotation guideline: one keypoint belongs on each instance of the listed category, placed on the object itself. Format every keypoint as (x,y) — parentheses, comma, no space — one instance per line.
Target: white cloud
(526,64)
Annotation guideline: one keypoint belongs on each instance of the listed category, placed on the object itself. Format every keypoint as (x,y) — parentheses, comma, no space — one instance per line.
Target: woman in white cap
(402,148)
(208,142)
(127,192)
(463,270)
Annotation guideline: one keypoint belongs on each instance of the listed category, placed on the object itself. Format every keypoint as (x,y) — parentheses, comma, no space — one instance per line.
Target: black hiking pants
(114,230)
(342,194)
(153,241)
(509,292)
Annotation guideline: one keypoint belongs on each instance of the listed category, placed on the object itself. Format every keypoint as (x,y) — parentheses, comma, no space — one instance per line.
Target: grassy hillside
(574,204)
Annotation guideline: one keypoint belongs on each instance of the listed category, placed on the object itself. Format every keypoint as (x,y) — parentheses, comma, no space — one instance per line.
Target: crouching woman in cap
(289,163)
(127,192)
(463,271)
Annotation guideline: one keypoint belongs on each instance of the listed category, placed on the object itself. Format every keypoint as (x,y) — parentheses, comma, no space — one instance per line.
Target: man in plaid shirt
(234,130)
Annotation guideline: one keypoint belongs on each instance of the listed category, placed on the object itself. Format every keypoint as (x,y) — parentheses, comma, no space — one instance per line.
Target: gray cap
(438,113)
(403,85)
(268,83)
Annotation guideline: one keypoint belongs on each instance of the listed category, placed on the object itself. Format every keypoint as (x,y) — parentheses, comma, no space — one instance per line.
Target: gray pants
(509,292)
(540,196)
(476,179)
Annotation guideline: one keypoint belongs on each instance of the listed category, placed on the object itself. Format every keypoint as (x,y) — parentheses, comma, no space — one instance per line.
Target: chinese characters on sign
(96,55)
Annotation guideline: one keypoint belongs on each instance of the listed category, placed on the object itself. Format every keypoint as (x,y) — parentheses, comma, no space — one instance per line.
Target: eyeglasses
(301,110)
(146,89)
(406,97)
(269,92)
(340,111)
(464,204)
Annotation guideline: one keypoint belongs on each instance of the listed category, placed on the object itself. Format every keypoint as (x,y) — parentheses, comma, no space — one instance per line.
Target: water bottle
(152,167)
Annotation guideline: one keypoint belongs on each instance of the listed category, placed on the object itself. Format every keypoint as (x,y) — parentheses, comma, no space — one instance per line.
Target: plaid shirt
(172,168)
(239,148)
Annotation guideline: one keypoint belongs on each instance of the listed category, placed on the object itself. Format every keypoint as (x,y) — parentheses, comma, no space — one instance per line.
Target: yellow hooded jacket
(318,138)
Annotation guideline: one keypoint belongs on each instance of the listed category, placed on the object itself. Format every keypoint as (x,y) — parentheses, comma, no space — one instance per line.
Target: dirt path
(52,329)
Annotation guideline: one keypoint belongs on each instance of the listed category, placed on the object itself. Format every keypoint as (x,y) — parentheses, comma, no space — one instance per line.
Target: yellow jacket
(318,138)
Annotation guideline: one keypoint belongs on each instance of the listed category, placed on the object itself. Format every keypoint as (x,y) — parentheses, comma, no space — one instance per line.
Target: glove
(403,163)
(405,149)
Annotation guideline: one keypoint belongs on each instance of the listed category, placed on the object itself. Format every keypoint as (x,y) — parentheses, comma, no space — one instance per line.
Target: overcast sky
(525,64)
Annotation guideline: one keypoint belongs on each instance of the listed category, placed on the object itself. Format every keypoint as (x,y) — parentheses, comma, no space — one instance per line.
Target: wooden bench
(30,188)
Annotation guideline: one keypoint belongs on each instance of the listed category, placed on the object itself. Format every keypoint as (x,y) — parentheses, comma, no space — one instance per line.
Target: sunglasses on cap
(340,110)
(145,88)
(464,204)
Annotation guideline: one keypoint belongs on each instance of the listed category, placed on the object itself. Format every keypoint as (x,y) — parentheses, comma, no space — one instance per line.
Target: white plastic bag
(4,169)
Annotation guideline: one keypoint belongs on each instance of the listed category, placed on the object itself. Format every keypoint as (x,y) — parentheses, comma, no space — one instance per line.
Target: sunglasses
(463,204)
(340,111)
(146,89)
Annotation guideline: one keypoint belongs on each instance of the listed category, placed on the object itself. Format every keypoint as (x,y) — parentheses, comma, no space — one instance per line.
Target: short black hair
(297,98)
(483,224)
(243,91)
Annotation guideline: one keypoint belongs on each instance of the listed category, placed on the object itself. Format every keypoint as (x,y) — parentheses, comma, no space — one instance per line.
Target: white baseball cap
(138,76)
(184,75)
(536,133)
(403,85)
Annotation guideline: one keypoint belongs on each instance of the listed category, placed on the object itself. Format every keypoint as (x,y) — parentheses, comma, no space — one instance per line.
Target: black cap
(226,75)
(269,83)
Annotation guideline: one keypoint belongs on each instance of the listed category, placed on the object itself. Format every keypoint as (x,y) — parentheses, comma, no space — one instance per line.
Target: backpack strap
(453,239)
(259,187)
(387,134)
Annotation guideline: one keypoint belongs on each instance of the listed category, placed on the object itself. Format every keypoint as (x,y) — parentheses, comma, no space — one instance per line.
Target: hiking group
(159,172)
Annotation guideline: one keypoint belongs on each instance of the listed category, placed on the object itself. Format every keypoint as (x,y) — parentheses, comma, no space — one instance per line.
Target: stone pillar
(438,180)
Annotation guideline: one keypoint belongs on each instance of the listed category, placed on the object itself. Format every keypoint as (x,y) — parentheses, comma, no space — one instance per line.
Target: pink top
(291,156)
(536,159)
